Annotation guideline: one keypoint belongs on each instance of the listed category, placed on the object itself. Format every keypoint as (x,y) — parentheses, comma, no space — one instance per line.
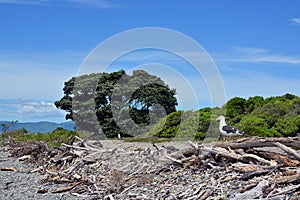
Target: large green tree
(119,103)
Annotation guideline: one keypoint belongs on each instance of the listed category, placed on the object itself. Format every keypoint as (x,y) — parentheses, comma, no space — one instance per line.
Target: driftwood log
(260,142)
(248,168)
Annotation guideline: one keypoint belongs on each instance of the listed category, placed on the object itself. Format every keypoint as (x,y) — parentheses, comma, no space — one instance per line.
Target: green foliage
(275,116)
(12,134)
(253,102)
(256,116)
(295,107)
(119,103)
(271,112)
(127,104)
(184,124)
(235,108)
(168,126)
(254,121)
(260,131)
(54,138)
(288,126)
(65,103)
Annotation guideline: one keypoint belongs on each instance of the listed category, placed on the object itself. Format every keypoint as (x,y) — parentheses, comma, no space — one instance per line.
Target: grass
(59,136)
(55,138)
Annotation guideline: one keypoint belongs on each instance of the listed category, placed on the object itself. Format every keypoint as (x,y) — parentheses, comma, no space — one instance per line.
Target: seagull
(226,130)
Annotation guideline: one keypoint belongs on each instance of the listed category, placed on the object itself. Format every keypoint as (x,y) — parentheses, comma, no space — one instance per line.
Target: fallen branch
(259,142)
(8,169)
(173,159)
(66,189)
(288,150)
(285,191)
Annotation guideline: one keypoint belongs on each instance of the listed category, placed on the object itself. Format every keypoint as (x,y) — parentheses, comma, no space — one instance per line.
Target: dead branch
(288,150)
(259,142)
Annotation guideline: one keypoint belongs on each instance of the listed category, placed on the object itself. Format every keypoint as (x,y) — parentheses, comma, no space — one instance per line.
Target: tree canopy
(116,103)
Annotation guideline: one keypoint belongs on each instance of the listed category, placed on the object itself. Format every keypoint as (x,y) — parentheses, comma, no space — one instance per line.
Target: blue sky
(255,45)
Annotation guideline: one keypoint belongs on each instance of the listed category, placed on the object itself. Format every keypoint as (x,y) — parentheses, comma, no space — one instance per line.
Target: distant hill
(41,127)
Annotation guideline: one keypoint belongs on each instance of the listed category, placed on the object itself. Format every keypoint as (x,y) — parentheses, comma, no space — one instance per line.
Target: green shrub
(288,126)
(271,112)
(12,134)
(54,138)
(235,107)
(168,126)
(251,120)
(260,131)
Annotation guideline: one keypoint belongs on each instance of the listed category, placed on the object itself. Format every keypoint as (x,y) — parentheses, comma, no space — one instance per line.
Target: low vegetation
(270,117)
(54,138)
(256,116)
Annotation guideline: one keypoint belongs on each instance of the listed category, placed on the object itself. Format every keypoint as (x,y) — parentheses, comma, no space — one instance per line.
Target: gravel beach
(21,184)
(122,170)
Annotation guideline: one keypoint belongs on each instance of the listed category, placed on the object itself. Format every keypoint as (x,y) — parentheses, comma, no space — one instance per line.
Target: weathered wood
(253,193)
(206,194)
(66,189)
(218,171)
(286,179)
(8,169)
(250,174)
(259,142)
(26,157)
(285,190)
(243,167)
(42,191)
(280,159)
(75,147)
(288,150)
(173,159)
(231,154)
(194,145)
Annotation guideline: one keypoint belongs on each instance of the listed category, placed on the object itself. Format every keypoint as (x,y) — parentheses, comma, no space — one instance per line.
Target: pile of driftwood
(248,168)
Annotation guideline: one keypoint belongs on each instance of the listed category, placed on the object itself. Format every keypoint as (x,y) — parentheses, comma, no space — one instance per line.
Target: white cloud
(295,20)
(257,71)
(66,3)
(29,110)
(256,55)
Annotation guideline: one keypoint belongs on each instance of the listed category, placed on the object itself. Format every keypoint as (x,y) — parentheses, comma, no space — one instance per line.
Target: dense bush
(288,126)
(185,124)
(235,107)
(252,121)
(168,126)
(270,117)
(260,131)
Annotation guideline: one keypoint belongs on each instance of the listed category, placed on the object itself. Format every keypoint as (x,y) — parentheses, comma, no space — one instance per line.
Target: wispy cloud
(235,54)
(256,55)
(29,110)
(95,3)
(28,2)
(66,3)
(295,20)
